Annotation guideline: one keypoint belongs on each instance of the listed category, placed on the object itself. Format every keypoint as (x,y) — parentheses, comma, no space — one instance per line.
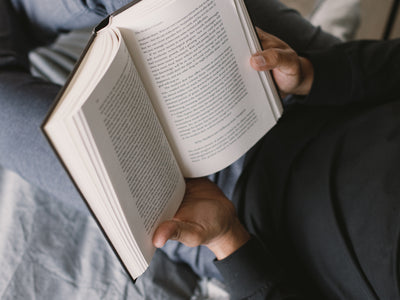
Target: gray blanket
(54,250)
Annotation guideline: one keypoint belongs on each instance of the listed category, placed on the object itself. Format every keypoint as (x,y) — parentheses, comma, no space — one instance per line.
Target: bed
(50,249)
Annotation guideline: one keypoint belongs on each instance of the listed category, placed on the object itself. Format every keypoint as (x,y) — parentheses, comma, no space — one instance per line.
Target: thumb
(165,231)
(187,233)
(284,59)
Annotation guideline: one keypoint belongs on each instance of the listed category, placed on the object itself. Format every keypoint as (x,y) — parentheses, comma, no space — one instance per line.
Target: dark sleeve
(252,273)
(361,71)
(286,23)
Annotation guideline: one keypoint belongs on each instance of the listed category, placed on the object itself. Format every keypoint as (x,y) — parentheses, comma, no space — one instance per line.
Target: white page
(134,151)
(212,122)
(115,150)
(65,138)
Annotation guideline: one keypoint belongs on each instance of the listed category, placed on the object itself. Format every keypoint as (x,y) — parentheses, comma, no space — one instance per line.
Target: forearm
(356,72)
(231,241)
(252,273)
(286,23)
(249,269)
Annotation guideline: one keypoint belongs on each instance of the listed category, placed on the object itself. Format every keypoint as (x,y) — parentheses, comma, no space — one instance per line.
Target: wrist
(230,241)
(307,71)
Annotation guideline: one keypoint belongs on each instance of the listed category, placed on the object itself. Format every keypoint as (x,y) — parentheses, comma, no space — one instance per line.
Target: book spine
(125,7)
(108,20)
(103,24)
(70,76)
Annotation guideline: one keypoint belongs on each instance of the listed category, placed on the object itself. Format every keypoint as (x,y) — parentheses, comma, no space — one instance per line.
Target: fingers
(167,230)
(293,74)
(270,41)
(187,233)
(285,60)
(266,60)
(276,54)
(204,215)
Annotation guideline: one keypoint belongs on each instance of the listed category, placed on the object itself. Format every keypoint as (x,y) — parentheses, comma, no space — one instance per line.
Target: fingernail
(158,243)
(259,60)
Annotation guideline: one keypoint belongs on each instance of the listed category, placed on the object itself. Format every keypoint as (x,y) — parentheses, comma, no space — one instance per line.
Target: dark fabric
(322,189)
(261,276)
(287,24)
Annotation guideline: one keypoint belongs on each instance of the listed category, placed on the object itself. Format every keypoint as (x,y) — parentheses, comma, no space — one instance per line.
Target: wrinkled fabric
(52,249)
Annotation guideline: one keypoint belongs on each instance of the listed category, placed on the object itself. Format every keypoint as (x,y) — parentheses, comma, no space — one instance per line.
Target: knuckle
(273,57)
(177,235)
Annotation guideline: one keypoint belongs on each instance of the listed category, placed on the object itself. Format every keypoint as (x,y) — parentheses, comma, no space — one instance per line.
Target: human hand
(293,74)
(205,217)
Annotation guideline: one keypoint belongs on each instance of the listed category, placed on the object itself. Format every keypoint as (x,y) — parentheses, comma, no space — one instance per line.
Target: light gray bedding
(54,250)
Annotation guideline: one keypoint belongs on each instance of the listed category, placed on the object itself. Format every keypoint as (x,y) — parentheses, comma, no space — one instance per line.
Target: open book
(163,91)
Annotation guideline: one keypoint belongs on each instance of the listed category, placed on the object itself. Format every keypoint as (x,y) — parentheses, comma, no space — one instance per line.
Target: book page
(130,153)
(102,52)
(193,57)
